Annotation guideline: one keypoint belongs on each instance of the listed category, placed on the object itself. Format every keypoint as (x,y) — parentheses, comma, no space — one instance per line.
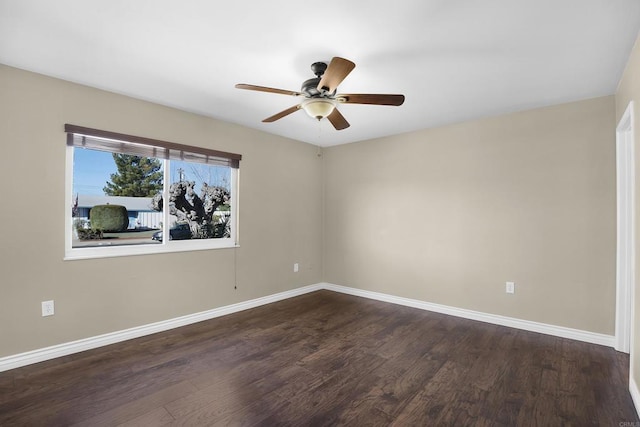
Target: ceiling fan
(320,94)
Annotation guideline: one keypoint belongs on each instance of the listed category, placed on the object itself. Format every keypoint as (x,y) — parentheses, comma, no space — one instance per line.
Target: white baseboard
(527,325)
(40,355)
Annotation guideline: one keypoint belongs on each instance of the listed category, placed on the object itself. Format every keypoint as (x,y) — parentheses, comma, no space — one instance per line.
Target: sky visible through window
(92,169)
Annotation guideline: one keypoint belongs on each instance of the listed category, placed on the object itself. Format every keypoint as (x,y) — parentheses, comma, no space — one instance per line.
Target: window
(128,195)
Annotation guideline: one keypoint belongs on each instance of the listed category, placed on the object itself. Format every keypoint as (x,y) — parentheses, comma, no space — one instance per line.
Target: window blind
(78,136)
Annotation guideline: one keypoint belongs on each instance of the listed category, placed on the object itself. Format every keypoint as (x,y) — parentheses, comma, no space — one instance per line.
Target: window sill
(150,249)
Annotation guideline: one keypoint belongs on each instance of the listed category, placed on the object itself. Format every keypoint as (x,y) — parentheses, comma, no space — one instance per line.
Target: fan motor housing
(310,87)
(318,68)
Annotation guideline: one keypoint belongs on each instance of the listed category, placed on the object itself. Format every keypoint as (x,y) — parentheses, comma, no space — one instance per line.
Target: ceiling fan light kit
(320,94)
(318,108)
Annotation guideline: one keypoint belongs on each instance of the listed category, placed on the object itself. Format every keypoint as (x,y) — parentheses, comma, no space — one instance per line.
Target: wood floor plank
(400,378)
(429,404)
(158,417)
(327,359)
(326,401)
(141,409)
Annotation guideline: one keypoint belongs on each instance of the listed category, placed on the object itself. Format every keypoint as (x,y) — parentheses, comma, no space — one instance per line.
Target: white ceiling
(453,60)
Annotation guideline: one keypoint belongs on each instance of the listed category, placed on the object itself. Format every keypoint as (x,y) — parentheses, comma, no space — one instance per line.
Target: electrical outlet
(47,308)
(296,267)
(510,288)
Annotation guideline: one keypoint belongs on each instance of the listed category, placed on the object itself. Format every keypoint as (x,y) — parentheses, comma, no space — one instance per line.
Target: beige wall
(280,219)
(449,215)
(444,215)
(629,90)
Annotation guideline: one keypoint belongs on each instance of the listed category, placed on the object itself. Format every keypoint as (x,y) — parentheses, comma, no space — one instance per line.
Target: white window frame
(167,245)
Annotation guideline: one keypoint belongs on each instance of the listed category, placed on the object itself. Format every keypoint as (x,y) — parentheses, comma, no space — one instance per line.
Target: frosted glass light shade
(318,108)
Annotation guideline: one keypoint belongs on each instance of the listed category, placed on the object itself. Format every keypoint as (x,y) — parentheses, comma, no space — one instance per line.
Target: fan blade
(370,98)
(337,120)
(283,113)
(338,69)
(267,89)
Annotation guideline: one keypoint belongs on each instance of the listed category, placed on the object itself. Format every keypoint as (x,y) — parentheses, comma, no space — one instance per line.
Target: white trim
(635,394)
(150,249)
(625,310)
(527,325)
(625,252)
(68,195)
(40,355)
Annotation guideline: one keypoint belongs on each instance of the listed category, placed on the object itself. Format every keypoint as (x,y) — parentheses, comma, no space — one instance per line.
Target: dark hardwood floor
(327,359)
